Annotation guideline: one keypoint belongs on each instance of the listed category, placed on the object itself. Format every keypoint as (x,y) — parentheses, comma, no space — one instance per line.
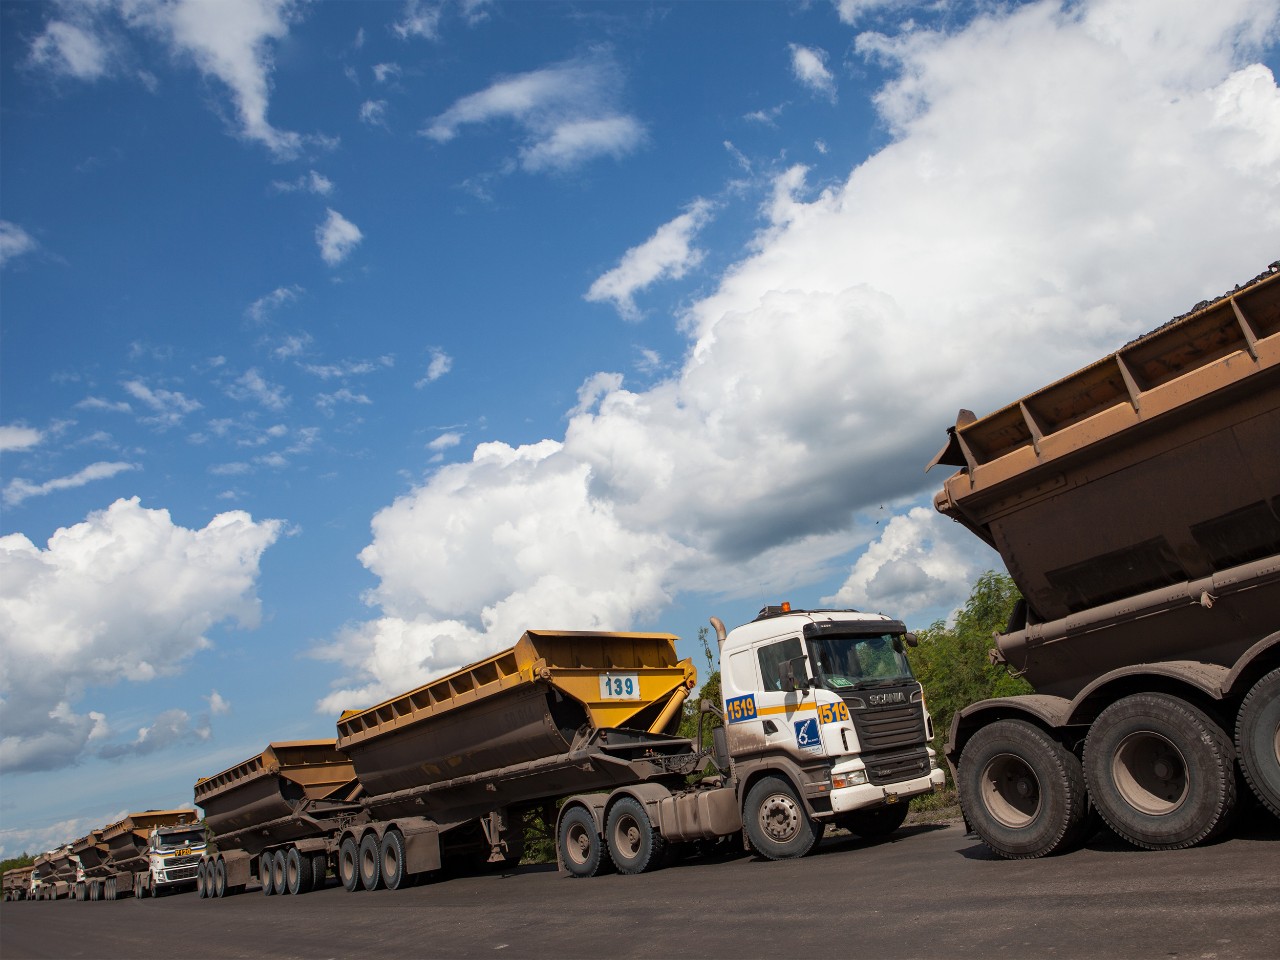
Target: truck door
(789,717)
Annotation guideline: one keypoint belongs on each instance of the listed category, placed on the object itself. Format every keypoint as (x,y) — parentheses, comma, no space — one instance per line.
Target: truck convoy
(824,724)
(1136,504)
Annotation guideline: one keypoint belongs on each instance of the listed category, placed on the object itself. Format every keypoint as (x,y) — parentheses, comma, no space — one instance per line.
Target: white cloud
(70,50)
(374,113)
(668,254)
(254,388)
(1026,218)
(310,182)
(170,728)
(126,595)
(337,237)
(566,112)
(326,402)
(168,407)
(851,11)
(384,72)
(265,306)
(14,242)
(19,489)
(231,41)
(218,704)
(14,437)
(419,19)
(809,66)
(440,364)
(444,442)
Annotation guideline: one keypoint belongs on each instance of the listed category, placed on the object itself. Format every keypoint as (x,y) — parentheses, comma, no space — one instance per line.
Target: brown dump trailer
(276,815)
(94,857)
(17,883)
(58,878)
(152,852)
(1136,504)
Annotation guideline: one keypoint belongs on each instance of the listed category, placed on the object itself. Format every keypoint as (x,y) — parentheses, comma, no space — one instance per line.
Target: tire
(109,889)
(1258,740)
(1021,791)
(266,875)
(634,845)
(297,872)
(391,854)
(319,870)
(349,864)
(877,823)
(581,850)
(777,823)
(202,881)
(219,878)
(278,872)
(1160,772)
(141,890)
(370,863)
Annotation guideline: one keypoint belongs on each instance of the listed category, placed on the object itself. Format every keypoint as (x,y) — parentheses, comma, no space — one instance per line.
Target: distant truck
(17,883)
(825,724)
(153,853)
(1136,504)
(93,859)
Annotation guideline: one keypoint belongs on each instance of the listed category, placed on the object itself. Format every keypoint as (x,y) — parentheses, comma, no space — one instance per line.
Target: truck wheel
(319,870)
(580,847)
(370,863)
(349,864)
(877,823)
(297,872)
(777,823)
(391,853)
(278,873)
(633,843)
(1160,772)
(265,873)
(1258,740)
(109,889)
(220,878)
(1021,791)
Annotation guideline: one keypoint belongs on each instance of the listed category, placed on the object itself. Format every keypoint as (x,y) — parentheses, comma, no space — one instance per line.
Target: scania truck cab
(821,709)
(174,855)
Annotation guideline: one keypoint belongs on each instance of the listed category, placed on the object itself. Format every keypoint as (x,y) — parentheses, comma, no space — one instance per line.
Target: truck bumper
(867,795)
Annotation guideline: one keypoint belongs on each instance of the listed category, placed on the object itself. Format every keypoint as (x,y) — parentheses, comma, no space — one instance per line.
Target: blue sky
(342,342)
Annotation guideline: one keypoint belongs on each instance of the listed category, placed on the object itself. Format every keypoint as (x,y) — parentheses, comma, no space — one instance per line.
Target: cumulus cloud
(70,50)
(440,364)
(1024,220)
(253,387)
(170,728)
(126,595)
(168,407)
(14,437)
(374,113)
(421,20)
(668,254)
(809,66)
(567,113)
(19,489)
(14,242)
(337,237)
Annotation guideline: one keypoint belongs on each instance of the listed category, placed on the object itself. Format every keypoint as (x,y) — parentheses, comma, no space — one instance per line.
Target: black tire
(319,870)
(581,850)
(1021,791)
(370,863)
(297,872)
(634,845)
(877,823)
(109,889)
(204,882)
(266,873)
(391,855)
(278,872)
(219,878)
(1258,740)
(141,889)
(777,823)
(1160,772)
(349,864)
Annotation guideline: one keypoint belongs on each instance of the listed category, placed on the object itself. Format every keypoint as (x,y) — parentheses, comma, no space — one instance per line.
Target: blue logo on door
(807,736)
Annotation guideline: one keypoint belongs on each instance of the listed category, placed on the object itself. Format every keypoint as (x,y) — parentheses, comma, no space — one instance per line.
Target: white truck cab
(824,723)
(173,855)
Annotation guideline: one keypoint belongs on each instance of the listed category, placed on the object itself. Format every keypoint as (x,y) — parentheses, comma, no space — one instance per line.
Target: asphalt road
(930,891)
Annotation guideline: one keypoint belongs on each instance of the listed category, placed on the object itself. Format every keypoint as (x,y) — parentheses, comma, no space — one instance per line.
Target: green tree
(951,661)
(25,860)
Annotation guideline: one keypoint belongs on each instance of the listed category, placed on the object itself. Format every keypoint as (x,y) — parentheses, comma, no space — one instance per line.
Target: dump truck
(1136,505)
(17,883)
(825,725)
(153,853)
(276,817)
(93,858)
(57,874)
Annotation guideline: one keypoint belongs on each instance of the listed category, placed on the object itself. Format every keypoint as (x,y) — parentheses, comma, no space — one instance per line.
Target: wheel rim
(780,817)
(627,839)
(1010,791)
(1150,773)
(578,844)
(390,861)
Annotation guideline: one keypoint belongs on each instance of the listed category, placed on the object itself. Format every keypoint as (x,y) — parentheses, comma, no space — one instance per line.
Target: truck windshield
(849,662)
(186,838)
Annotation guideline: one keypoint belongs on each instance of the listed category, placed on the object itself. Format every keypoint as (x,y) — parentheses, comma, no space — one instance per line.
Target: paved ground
(931,891)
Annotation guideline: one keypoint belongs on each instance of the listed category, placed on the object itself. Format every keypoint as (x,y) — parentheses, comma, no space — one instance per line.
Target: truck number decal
(619,686)
(740,708)
(832,712)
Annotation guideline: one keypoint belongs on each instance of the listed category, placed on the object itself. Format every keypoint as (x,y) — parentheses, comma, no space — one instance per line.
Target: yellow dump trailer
(93,855)
(287,800)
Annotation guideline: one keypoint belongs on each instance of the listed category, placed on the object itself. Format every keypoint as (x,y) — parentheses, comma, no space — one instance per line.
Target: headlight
(852,779)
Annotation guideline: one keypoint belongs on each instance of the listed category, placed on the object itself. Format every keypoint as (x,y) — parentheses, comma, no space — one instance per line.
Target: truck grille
(894,769)
(182,861)
(182,873)
(889,728)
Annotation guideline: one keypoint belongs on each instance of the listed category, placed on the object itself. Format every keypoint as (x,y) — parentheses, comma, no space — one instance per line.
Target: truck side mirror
(911,639)
(793,675)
